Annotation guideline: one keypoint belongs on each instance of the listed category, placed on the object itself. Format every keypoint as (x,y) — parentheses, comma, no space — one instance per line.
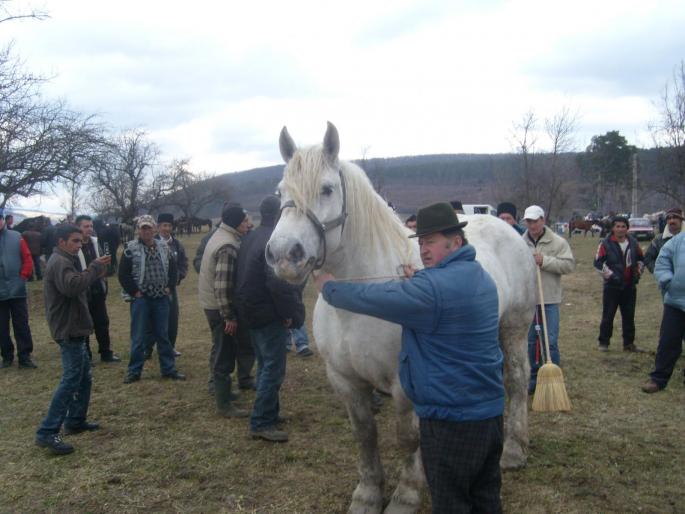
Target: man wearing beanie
(674,224)
(270,307)
(165,226)
(215,288)
(506,211)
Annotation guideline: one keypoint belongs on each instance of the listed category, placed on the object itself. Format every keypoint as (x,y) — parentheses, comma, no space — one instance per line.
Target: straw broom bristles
(550,391)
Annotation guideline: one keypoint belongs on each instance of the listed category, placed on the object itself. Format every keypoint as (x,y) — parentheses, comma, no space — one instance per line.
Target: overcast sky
(216,81)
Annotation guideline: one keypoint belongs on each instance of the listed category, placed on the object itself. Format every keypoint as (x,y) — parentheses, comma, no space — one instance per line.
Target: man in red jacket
(16,267)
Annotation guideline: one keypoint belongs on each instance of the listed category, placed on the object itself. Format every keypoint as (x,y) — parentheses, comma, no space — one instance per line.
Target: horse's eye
(327,190)
(277,193)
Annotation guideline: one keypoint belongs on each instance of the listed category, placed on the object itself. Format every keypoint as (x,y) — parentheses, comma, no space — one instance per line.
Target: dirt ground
(162,448)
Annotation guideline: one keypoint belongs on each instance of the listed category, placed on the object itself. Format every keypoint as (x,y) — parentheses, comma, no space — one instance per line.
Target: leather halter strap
(326,226)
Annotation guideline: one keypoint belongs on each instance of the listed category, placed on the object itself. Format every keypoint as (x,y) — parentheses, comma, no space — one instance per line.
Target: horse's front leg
(368,495)
(407,496)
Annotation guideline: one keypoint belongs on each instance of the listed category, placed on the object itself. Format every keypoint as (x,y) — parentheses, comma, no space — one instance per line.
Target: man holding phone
(97,293)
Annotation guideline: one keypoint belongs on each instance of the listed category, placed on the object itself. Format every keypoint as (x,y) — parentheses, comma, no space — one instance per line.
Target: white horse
(332,219)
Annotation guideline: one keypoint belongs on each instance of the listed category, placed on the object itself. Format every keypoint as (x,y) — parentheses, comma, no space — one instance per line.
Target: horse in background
(341,225)
(583,225)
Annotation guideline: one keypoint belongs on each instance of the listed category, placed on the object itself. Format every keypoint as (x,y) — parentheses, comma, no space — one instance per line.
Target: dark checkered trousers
(155,279)
(461,461)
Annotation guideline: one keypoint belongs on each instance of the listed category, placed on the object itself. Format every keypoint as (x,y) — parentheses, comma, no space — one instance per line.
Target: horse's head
(313,208)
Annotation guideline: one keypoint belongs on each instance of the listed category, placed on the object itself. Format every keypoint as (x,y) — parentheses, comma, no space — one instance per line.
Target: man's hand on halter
(320,279)
(230,327)
(408,270)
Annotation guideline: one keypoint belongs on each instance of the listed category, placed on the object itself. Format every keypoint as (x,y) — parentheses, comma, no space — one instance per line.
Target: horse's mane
(371,225)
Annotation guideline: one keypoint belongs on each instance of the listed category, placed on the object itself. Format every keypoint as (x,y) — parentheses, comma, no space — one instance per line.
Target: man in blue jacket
(670,274)
(450,361)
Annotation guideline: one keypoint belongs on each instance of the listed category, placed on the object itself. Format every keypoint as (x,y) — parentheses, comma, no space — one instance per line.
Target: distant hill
(414,181)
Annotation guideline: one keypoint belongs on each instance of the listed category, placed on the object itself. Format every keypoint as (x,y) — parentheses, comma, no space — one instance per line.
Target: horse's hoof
(366,500)
(513,456)
(404,505)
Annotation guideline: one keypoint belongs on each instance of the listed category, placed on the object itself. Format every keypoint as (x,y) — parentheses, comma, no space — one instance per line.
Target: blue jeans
(69,404)
(269,345)
(300,337)
(153,313)
(552,314)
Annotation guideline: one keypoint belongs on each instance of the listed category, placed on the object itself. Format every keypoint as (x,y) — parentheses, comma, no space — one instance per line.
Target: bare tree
(525,138)
(124,175)
(190,192)
(6,14)
(669,137)
(37,139)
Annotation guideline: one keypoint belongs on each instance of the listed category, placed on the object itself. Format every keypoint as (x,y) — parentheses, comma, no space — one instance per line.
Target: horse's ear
(331,144)
(286,145)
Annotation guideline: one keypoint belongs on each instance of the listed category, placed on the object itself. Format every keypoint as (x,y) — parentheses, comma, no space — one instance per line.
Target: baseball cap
(146,221)
(534,212)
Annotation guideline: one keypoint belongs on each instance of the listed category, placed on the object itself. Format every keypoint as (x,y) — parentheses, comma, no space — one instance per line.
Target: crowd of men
(253,317)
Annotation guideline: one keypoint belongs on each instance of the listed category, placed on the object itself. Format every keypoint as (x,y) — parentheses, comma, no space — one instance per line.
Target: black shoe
(27,364)
(55,444)
(131,378)
(112,357)
(175,376)
(5,364)
(83,427)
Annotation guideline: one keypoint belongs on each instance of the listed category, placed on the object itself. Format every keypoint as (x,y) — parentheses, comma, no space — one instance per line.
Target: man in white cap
(554,258)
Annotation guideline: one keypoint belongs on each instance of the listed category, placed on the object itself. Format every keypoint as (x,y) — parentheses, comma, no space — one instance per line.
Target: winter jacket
(655,247)
(557,260)
(179,254)
(16,265)
(215,283)
(65,292)
(32,238)
(450,362)
(263,298)
(132,267)
(609,253)
(670,271)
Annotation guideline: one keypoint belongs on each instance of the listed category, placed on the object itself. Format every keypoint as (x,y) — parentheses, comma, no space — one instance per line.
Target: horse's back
(507,258)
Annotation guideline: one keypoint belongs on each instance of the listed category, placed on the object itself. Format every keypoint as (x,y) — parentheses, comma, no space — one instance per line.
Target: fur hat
(233,215)
(508,208)
(165,217)
(436,218)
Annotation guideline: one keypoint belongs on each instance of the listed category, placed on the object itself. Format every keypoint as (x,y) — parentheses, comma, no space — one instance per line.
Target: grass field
(162,448)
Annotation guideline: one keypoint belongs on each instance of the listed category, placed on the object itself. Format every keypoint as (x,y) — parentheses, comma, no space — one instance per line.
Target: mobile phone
(105,247)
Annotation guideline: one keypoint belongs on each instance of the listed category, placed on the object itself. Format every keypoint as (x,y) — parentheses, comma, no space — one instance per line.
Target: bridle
(323,227)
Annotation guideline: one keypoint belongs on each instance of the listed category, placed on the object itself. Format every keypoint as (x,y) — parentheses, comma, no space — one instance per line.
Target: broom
(550,391)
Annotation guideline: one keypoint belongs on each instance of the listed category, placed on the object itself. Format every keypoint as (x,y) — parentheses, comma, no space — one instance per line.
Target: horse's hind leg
(407,496)
(368,495)
(514,340)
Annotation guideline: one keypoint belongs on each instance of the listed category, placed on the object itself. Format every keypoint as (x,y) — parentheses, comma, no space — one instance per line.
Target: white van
(479,208)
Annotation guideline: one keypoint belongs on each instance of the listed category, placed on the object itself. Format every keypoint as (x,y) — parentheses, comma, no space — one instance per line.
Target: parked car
(641,228)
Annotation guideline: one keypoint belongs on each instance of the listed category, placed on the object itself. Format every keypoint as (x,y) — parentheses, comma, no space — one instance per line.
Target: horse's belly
(355,345)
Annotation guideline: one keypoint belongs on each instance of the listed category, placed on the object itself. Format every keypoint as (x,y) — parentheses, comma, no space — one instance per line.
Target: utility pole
(633,206)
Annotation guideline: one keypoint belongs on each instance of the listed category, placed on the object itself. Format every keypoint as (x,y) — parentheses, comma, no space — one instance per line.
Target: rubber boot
(224,405)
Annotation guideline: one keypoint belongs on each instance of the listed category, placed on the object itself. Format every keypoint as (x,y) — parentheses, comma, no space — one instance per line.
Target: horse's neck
(349,262)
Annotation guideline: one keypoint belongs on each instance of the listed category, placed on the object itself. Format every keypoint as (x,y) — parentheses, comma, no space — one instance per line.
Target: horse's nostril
(296,252)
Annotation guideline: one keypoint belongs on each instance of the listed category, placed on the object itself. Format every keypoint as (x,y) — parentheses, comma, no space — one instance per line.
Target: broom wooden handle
(542,310)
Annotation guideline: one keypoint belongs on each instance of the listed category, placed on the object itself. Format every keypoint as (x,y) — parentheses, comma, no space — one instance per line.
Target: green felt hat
(436,218)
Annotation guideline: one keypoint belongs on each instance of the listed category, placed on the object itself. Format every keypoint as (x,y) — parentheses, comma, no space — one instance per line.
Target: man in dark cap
(270,307)
(506,211)
(674,224)
(620,261)
(165,226)
(450,326)
(216,295)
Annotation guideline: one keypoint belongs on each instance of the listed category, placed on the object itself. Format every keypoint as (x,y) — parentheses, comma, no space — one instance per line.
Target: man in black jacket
(270,307)
(620,261)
